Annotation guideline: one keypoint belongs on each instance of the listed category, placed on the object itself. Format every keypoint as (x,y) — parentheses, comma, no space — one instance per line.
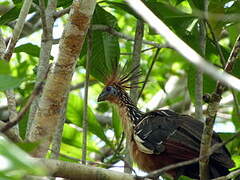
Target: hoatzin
(162,137)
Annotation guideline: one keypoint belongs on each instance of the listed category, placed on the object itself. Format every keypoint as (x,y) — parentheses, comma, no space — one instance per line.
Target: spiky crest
(121,76)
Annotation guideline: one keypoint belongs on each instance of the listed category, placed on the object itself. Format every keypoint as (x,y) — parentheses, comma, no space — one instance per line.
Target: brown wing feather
(177,135)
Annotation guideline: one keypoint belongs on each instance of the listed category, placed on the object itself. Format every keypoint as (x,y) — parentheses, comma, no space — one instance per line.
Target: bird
(161,137)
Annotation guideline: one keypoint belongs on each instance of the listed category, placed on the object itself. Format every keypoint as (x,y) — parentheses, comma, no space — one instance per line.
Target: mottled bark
(59,78)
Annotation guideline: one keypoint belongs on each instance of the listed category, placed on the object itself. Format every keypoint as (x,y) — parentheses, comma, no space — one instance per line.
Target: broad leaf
(117,125)
(15,163)
(28,48)
(73,137)
(105,47)
(9,82)
(11,15)
(75,114)
(4,67)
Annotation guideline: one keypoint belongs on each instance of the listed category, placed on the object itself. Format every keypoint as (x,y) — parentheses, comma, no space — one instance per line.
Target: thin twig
(149,71)
(12,107)
(139,33)
(61,12)
(203,163)
(222,58)
(158,172)
(110,30)
(23,110)
(199,75)
(213,104)
(85,110)
(144,50)
(229,176)
(17,29)
(11,101)
(35,92)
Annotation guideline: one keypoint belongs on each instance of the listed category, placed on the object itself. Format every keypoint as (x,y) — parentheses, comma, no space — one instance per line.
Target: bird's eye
(108,88)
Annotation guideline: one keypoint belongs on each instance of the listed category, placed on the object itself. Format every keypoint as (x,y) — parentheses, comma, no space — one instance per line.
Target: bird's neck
(128,110)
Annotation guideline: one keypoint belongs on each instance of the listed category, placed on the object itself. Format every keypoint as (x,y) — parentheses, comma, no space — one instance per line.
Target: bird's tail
(218,171)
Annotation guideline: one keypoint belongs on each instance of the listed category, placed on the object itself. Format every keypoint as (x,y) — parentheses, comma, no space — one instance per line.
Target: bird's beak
(102,96)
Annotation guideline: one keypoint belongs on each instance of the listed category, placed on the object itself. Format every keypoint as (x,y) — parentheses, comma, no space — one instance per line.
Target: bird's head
(117,84)
(109,93)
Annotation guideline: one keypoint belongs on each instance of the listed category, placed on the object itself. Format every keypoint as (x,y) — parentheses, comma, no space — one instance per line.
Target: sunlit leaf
(11,14)
(74,138)
(15,163)
(117,126)
(4,67)
(75,114)
(28,48)
(9,82)
(105,47)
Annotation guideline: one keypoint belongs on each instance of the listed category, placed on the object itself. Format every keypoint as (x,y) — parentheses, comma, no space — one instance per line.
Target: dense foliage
(171,83)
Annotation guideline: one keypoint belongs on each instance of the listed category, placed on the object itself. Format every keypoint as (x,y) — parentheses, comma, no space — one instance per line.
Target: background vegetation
(171,83)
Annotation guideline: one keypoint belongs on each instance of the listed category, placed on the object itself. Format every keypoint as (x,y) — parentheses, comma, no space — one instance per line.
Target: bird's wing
(179,136)
(164,130)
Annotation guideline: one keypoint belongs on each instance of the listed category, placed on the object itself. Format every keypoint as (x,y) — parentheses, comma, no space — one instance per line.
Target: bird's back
(167,138)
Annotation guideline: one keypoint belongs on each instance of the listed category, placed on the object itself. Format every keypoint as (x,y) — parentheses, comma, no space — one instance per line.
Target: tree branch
(69,170)
(17,29)
(158,172)
(61,12)
(139,33)
(45,52)
(110,30)
(59,78)
(99,27)
(85,108)
(35,92)
(182,47)
(203,163)
(229,176)
(148,73)
(11,133)
(213,106)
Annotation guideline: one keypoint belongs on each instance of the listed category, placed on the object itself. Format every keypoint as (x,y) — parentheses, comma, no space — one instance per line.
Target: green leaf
(236,68)
(28,48)
(173,17)
(4,67)
(196,4)
(232,146)
(105,47)
(124,7)
(209,84)
(235,115)
(9,82)
(236,159)
(64,3)
(10,15)
(24,121)
(17,162)
(28,146)
(117,125)
(74,138)
(75,114)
